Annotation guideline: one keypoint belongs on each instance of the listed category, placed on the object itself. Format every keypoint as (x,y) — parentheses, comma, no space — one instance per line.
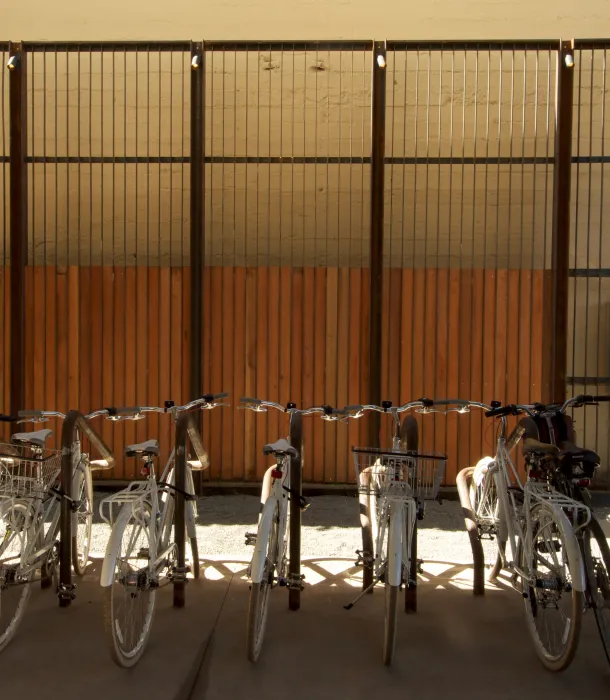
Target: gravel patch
(331,528)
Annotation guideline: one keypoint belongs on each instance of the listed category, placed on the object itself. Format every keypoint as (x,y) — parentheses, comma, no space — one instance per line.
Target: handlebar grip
(29,414)
(245,399)
(600,399)
(123,410)
(213,397)
(428,403)
(6,419)
(509,410)
(355,407)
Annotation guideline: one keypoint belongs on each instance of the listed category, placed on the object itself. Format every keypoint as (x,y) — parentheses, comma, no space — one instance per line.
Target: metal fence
(332,222)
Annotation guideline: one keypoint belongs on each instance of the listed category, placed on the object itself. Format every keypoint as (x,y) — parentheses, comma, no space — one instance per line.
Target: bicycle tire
(486,509)
(81,539)
(137,547)
(411,584)
(10,621)
(598,579)
(167,526)
(542,516)
(391,613)
(258,606)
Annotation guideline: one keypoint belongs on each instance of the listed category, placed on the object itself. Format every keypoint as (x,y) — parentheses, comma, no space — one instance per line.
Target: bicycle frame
(516,530)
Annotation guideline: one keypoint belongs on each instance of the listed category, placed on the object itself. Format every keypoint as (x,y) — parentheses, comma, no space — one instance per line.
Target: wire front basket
(23,475)
(405,474)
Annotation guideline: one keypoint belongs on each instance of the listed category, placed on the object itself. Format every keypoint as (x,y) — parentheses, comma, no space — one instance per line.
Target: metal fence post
(182,427)
(17,67)
(378,109)
(197,239)
(296,488)
(560,260)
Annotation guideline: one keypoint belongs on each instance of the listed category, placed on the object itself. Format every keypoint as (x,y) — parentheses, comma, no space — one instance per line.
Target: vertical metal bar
(296,488)
(378,110)
(197,216)
(18,220)
(561,218)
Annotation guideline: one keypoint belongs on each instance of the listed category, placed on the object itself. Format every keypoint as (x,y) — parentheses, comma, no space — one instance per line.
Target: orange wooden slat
(319,371)
(251,380)
(239,373)
(277,346)
(343,468)
(262,363)
(74,338)
(130,350)
(354,393)
(330,372)
(164,389)
(308,367)
(216,366)
(225,339)
(119,352)
(49,399)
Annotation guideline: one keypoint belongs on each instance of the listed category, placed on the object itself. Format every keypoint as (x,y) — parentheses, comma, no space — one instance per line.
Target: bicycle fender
(112,548)
(481,468)
(577,566)
(262,540)
(396,530)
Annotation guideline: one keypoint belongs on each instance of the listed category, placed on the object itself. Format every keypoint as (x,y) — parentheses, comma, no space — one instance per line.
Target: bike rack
(478,558)
(185,427)
(74,421)
(296,493)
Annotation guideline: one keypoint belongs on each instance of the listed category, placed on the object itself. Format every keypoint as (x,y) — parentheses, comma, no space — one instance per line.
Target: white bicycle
(269,565)
(30,499)
(394,484)
(535,527)
(141,552)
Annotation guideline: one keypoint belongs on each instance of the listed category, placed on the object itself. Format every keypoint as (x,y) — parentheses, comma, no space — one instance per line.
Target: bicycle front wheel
(83,519)
(15,588)
(129,602)
(553,607)
(597,563)
(259,593)
(486,509)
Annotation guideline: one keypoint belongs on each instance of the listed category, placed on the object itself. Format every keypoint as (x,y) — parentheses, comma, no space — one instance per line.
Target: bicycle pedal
(250,539)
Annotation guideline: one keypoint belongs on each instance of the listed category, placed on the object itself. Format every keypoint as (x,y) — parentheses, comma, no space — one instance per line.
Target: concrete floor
(455,646)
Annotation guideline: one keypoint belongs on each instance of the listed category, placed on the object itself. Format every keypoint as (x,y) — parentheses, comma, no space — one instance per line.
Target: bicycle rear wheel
(15,589)
(597,563)
(129,602)
(259,593)
(553,607)
(190,513)
(83,519)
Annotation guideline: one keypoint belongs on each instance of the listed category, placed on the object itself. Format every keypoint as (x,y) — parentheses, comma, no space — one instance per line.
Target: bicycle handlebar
(207,401)
(260,406)
(30,416)
(511,409)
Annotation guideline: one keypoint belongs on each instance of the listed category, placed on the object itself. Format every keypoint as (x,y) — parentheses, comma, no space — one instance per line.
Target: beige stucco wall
(299,19)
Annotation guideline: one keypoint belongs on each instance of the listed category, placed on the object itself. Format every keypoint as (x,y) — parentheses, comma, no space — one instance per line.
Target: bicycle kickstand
(364,592)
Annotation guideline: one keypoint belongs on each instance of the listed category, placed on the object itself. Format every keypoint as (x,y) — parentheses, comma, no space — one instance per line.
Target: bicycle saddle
(281,448)
(578,454)
(530,446)
(36,438)
(150,448)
